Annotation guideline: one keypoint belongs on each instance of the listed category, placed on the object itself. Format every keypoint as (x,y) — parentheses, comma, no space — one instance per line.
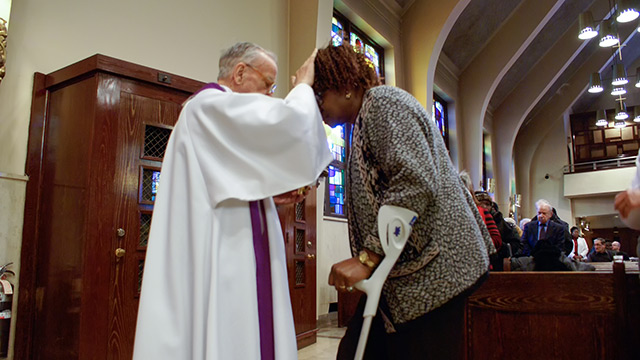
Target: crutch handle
(394,228)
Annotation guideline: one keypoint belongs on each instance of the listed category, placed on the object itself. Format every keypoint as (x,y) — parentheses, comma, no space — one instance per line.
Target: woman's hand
(347,273)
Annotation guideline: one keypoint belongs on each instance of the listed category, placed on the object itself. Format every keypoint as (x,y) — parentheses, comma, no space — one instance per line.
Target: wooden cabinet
(97,137)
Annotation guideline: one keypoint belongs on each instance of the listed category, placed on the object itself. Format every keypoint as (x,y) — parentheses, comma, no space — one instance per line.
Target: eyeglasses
(270,84)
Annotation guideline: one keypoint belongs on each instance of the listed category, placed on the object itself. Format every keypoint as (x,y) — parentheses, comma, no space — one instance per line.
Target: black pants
(436,335)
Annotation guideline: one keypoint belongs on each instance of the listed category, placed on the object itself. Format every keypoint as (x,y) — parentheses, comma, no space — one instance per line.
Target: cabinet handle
(120,252)
(311,256)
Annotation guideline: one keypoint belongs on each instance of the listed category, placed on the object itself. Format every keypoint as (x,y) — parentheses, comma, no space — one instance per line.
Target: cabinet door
(145,119)
(299,229)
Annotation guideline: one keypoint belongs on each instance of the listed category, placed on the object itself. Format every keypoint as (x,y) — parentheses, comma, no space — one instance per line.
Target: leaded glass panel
(337,32)
(300,276)
(336,190)
(150,183)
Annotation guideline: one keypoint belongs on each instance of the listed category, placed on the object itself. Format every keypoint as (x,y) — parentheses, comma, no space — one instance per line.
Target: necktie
(543,232)
(575,247)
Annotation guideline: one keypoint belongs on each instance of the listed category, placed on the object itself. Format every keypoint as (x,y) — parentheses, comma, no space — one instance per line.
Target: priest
(215,278)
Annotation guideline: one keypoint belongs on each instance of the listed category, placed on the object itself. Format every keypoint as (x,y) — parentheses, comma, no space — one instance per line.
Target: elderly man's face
(599,245)
(615,246)
(258,77)
(544,214)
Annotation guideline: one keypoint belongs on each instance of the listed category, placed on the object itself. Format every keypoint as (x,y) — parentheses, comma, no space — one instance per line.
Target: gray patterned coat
(398,158)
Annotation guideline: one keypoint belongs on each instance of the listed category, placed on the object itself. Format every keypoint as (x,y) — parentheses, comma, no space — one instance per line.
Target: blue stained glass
(438,117)
(332,199)
(339,210)
(337,32)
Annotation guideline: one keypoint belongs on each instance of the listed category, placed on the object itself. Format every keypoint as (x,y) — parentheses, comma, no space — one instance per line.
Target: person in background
(524,222)
(541,227)
(601,254)
(215,277)
(398,158)
(580,248)
(615,248)
(486,214)
(508,233)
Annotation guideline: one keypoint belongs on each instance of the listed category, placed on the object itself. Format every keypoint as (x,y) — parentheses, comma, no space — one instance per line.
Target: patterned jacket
(399,158)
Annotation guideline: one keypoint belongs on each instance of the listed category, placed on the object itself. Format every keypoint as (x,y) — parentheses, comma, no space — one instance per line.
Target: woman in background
(398,158)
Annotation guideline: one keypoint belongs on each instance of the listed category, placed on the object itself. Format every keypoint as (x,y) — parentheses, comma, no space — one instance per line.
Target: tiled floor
(326,346)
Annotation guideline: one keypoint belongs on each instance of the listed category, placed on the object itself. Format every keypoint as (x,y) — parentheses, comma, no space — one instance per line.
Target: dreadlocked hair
(341,68)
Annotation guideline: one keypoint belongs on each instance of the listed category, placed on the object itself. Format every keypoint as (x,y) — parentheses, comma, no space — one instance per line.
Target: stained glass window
(342,29)
(439,111)
(336,137)
(337,32)
(339,137)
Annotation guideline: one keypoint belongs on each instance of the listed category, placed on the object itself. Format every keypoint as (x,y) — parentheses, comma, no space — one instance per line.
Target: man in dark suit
(542,228)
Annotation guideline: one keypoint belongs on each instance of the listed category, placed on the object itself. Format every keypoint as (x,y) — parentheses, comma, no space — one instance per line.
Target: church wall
(548,160)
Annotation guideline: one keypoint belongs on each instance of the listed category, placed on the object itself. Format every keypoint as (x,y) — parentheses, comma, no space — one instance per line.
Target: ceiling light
(636,113)
(595,85)
(618,91)
(601,118)
(621,113)
(586,24)
(608,37)
(638,77)
(619,75)
(626,11)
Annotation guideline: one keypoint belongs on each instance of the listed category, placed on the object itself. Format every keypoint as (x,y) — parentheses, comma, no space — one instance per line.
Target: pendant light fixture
(619,75)
(595,84)
(608,37)
(621,112)
(607,33)
(587,27)
(618,90)
(626,11)
(601,118)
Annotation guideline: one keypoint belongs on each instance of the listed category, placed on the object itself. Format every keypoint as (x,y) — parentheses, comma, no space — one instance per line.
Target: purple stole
(263,279)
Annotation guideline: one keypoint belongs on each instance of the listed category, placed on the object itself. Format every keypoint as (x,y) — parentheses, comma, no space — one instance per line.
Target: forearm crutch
(394,228)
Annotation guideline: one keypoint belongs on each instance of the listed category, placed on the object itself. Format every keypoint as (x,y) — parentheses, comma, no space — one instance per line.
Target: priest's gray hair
(245,52)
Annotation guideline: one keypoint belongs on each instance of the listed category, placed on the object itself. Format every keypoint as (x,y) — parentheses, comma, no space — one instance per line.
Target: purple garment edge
(210,86)
(263,279)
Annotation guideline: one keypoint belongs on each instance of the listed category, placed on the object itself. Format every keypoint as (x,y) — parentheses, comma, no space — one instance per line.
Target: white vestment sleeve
(251,146)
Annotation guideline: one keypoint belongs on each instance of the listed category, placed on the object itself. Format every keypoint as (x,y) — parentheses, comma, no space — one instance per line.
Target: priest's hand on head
(305,74)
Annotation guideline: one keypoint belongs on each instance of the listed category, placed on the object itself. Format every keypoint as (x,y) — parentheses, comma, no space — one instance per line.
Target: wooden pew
(555,315)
